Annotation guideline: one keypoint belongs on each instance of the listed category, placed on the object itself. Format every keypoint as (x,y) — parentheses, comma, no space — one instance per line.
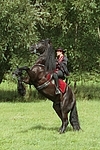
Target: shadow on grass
(82,92)
(40,127)
(8,96)
(13,96)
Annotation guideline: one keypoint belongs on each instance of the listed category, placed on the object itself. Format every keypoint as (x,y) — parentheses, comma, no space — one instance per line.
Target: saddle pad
(62,85)
(48,76)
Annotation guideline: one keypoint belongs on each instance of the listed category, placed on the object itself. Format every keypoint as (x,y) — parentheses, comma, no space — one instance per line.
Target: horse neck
(37,70)
(48,60)
(39,73)
(41,60)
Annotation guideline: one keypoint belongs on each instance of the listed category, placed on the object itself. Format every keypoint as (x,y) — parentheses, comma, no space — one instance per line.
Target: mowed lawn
(34,126)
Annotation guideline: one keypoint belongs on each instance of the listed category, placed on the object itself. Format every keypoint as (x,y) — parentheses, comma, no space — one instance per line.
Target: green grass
(34,126)
(30,123)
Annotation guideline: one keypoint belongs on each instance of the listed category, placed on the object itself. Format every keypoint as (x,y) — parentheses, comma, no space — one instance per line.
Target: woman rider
(61,68)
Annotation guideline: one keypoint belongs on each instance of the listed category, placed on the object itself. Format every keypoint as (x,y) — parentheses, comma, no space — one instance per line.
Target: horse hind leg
(64,123)
(74,120)
(56,107)
(62,116)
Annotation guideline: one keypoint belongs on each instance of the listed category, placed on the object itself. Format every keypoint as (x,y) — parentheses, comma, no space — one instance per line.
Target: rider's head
(60,51)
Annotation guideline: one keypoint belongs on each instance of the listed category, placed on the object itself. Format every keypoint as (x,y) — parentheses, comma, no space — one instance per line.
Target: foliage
(73,25)
(87,88)
(17,31)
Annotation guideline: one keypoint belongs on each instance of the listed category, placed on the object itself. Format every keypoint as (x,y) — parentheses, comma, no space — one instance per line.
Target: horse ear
(48,40)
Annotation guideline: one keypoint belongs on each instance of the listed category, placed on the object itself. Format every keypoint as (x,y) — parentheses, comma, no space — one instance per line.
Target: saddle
(62,83)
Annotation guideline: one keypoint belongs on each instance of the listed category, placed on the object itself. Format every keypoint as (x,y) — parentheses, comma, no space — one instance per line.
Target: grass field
(34,126)
(31,124)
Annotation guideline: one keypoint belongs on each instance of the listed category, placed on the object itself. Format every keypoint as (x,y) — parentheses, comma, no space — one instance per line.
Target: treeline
(73,25)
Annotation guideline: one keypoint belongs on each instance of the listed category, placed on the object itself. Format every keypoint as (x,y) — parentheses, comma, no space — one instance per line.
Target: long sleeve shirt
(61,64)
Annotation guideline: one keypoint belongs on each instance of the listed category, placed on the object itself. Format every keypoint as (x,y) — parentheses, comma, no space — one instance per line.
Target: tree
(74,25)
(16,32)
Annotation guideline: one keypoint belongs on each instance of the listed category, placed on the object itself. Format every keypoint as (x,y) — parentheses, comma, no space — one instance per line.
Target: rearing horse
(40,75)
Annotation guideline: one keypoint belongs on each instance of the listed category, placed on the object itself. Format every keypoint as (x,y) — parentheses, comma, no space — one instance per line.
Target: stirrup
(57,91)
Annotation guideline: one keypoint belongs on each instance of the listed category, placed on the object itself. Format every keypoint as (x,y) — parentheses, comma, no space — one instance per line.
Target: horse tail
(74,120)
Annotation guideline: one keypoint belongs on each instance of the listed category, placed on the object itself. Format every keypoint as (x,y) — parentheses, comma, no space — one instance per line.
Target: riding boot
(57,91)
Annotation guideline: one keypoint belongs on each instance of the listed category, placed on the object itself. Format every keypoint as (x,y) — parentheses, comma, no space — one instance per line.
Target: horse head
(40,47)
(44,48)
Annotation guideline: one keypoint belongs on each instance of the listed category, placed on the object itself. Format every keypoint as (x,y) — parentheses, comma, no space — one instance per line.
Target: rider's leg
(55,76)
(66,80)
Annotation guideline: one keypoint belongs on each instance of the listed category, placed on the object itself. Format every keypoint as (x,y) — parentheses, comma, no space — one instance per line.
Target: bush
(87,88)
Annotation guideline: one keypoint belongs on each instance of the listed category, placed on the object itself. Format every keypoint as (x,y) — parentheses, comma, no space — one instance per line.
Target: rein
(39,65)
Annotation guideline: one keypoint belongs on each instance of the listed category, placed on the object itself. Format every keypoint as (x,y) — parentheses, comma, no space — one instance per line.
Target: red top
(61,58)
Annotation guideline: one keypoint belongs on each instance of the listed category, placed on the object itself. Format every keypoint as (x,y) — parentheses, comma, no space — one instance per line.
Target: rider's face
(59,53)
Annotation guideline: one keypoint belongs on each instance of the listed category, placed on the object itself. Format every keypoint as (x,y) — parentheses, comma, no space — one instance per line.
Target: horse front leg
(20,88)
(26,80)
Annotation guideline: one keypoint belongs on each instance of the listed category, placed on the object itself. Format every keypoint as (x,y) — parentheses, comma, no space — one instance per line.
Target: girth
(45,84)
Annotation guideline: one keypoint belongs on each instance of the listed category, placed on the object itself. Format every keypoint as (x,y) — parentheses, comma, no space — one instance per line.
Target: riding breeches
(60,74)
(57,75)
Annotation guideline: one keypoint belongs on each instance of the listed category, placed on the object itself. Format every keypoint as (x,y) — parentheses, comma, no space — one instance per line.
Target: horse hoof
(77,128)
(61,131)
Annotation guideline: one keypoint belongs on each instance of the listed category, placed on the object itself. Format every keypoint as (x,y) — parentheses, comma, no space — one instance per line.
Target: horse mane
(50,63)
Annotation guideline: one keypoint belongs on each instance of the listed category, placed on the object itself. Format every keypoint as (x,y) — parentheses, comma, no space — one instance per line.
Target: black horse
(40,75)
